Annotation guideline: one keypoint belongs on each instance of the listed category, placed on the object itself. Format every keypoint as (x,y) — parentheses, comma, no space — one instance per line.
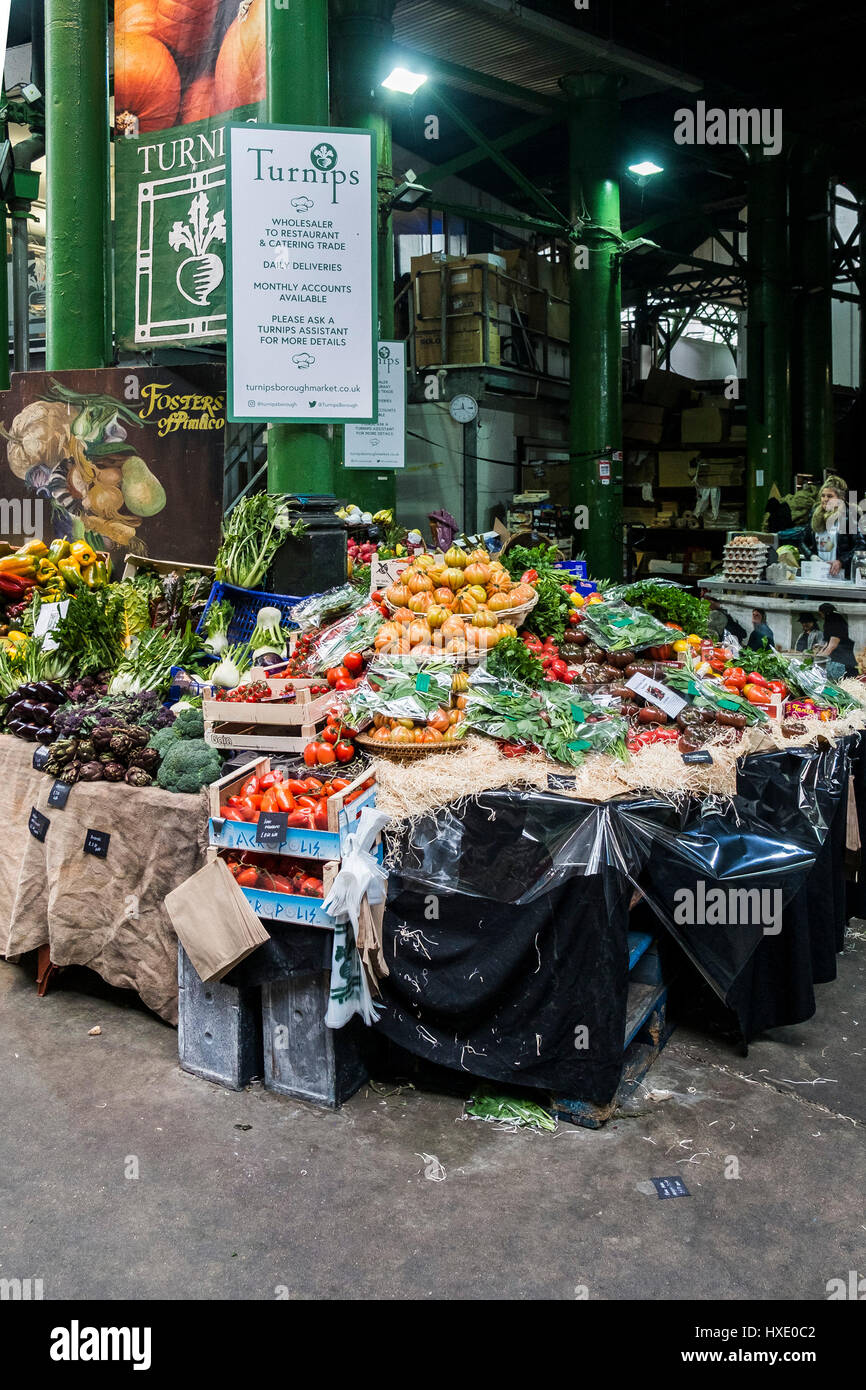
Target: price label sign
(40,757)
(59,794)
(657,694)
(702,755)
(272,829)
(671,1187)
(96,842)
(38,824)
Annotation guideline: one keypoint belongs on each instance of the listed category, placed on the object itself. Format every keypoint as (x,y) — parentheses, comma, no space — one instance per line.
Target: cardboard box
(720,473)
(426,272)
(703,424)
(667,389)
(642,432)
(675,467)
(643,422)
(644,516)
(467,344)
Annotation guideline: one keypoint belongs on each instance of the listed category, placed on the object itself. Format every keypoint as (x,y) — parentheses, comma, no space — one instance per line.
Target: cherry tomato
(345,683)
(334,674)
(345,752)
(311,754)
(325,754)
(248,878)
(331,734)
(353,662)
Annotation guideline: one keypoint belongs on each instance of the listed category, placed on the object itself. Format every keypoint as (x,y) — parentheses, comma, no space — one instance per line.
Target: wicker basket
(404,752)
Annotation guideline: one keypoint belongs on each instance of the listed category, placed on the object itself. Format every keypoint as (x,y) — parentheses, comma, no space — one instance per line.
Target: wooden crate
(291,907)
(136,562)
(278,727)
(302,844)
(304,711)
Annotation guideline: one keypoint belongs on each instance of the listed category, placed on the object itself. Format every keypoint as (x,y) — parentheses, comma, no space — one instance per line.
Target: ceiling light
(402,80)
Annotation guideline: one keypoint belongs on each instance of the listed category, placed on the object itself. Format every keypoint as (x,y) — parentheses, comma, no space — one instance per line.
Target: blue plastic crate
(246,603)
(573,567)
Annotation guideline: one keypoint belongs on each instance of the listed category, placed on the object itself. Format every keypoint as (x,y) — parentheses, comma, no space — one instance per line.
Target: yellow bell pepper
(34,548)
(82,553)
(13,635)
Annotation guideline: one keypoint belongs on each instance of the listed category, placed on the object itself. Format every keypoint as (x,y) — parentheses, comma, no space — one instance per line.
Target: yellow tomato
(576,600)
(681,645)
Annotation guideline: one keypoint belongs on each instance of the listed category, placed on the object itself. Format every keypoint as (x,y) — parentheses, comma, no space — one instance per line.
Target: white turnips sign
(302,257)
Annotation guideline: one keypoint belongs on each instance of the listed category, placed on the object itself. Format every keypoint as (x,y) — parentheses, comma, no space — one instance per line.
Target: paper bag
(214,922)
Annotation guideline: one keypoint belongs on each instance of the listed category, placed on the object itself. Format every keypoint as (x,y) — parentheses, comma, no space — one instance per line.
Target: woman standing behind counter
(829,536)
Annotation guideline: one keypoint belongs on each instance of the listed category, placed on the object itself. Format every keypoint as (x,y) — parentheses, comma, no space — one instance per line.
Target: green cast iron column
(362,32)
(768,336)
(77,235)
(4,306)
(812,338)
(595,424)
(300,457)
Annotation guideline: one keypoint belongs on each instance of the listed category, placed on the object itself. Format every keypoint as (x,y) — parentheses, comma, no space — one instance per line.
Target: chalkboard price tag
(272,829)
(41,756)
(96,842)
(38,824)
(701,756)
(557,783)
(59,794)
(671,1187)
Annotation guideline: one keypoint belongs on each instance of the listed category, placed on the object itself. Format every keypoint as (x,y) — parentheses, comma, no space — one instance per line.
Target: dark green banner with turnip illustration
(181,72)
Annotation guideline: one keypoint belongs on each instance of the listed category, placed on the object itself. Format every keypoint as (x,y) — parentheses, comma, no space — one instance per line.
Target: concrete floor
(242,1195)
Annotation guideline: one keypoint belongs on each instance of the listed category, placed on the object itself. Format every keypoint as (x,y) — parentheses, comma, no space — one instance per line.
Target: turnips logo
(322,170)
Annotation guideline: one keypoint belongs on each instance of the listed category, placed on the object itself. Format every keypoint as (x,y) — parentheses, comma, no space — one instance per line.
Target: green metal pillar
(4,305)
(595,424)
(768,336)
(812,336)
(77,239)
(362,33)
(300,457)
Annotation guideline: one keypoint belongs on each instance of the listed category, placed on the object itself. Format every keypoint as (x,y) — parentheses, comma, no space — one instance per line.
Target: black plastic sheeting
(506,928)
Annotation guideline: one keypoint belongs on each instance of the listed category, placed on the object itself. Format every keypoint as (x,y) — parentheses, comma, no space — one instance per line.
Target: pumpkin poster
(182,70)
(128,458)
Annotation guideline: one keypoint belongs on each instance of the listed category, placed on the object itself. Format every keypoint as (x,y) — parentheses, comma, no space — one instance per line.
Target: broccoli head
(189,723)
(188,765)
(163,739)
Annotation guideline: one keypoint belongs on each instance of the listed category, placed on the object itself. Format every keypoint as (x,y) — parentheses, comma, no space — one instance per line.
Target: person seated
(760,631)
(810,637)
(837,644)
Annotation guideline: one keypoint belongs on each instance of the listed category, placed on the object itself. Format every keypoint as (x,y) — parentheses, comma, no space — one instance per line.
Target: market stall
(454,804)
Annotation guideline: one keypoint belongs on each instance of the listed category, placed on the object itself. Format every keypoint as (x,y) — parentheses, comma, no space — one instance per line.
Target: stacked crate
(300,1057)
